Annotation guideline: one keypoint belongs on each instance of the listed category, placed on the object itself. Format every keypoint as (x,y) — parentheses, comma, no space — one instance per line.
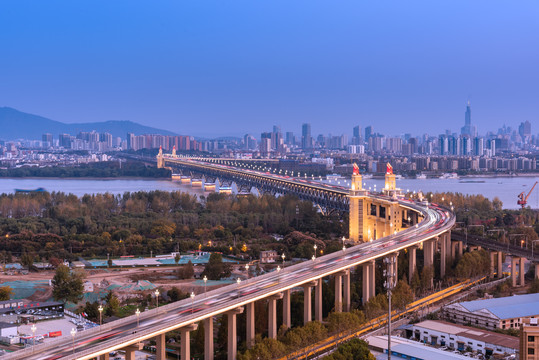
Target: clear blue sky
(210,67)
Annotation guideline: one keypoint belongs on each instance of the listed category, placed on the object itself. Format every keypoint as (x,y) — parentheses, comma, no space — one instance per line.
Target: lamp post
(33,328)
(192,301)
(389,284)
(157,297)
(247,270)
(137,312)
(343,247)
(100,309)
(205,281)
(73,333)
(283,256)
(315,247)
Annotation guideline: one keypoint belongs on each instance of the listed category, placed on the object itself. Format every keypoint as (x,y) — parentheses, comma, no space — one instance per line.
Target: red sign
(55,334)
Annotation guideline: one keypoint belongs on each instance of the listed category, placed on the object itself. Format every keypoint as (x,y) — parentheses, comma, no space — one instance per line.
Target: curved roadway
(118,334)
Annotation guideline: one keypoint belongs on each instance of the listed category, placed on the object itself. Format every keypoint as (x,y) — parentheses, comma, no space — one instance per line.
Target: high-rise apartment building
(306,139)
(368,133)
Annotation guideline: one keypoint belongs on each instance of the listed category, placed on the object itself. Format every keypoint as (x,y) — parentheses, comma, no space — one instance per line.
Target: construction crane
(523,198)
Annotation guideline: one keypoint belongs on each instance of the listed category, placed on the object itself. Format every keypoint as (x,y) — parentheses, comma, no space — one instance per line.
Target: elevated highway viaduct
(395,223)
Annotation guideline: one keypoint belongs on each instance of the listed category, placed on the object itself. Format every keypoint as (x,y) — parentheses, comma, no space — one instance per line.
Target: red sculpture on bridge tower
(389,169)
(356,169)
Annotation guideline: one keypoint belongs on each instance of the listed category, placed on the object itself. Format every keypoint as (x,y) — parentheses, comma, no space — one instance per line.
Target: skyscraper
(468,128)
(357,135)
(306,139)
(368,133)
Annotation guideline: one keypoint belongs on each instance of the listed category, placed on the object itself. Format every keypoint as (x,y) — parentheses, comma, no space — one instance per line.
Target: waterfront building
(529,340)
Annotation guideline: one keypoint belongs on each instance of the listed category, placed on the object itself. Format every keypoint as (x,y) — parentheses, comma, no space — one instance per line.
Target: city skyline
(225,69)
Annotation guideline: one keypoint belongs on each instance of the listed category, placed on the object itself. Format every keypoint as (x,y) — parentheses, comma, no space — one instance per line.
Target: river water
(506,188)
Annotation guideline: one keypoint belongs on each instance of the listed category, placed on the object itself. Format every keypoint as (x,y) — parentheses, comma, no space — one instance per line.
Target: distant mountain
(15,124)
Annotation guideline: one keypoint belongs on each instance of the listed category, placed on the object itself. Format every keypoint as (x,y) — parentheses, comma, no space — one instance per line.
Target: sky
(221,68)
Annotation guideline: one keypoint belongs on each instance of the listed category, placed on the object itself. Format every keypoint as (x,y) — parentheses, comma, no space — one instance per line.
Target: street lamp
(100,309)
(313,258)
(157,297)
(343,247)
(278,269)
(247,270)
(315,247)
(389,284)
(192,301)
(205,281)
(283,256)
(33,328)
(73,333)
(137,312)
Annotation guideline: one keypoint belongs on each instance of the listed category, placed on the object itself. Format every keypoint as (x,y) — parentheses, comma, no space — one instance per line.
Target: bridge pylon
(357,208)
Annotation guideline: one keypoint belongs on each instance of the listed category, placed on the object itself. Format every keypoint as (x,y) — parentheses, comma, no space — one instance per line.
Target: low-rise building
(406,349)
(268,256)
(464,338)
(529,340)
(498,313)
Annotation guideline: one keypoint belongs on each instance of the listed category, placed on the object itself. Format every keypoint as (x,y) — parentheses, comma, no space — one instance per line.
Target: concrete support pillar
(500,264)
(492,263)
(443,254)
(250,308)
(428,252)
(130,350)
(318,300)
(232,348)
(514,271)
(412,267)
(521,271)
(287,320)
(454,245)
(537,271)
(428,255)
(460,246)
(272,315)
(208,338)
(307,309)
(160,347)
(368,281)
(372,280)
(104,357)
(346,289)
(186,341)
(449,255)
(338,292)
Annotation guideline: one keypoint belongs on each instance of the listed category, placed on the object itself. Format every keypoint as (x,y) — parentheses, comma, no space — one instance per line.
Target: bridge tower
(160,159)
(391,183)
(174,151)
(357,208)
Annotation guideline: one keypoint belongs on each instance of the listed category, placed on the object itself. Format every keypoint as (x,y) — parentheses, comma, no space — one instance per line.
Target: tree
(176,294)
(215,268)
(186,271)
(113,304)
(27,260)
(66,285)
(354,349)
(177,258)
(6,292)
(402,295)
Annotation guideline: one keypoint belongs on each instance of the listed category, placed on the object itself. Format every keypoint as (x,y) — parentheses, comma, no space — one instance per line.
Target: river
(506,188)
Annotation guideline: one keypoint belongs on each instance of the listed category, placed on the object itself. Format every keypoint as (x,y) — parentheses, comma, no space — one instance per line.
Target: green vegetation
(67,285)
(62,226)
(6,292)
(354,349)
(105,169)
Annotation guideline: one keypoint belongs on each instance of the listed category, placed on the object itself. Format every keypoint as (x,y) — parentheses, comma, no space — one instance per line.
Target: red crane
(523,198)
